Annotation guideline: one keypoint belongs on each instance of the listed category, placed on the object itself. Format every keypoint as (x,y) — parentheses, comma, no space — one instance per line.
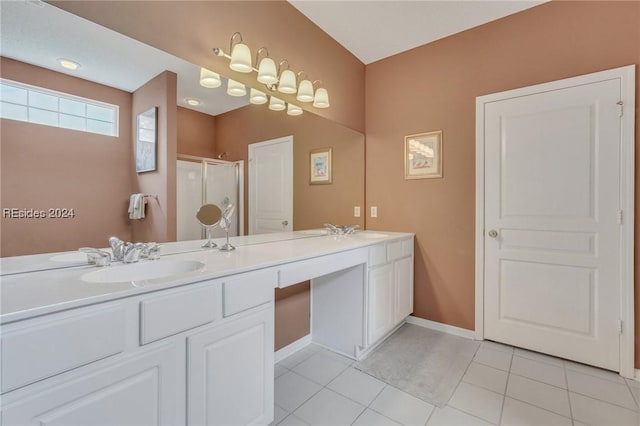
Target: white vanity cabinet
(390,287)
(200,354)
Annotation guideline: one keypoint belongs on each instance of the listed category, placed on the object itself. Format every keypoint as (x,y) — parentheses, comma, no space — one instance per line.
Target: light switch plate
(374,211)
(356,211)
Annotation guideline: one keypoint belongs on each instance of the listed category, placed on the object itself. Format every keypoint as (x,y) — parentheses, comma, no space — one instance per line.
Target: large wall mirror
(44,167)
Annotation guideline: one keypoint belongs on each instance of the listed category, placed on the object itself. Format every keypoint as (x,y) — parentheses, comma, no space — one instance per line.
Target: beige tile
(401,407)
(496,359)
(486,377)
(291,390)
(537,356)
(594,371)
(292,420)
(320,367)
(297,357)
(539,371)
(477,401)
(357,385)
(539,394)
(501,347)
(449,416)
(517,413)
(595,412)
(371,418)
(279,414)
(605,390)
(329,408)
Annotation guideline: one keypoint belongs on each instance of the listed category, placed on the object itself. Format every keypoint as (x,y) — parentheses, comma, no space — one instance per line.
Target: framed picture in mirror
(320,166)
(423,155)
(147,140)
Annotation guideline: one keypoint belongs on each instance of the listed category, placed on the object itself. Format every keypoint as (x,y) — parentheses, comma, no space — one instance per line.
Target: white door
(381,301)
(551,230)
(271,186)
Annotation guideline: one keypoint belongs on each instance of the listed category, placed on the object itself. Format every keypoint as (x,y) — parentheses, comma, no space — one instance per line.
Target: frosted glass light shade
(241,58)
(293,109)
(235,89)
(276,104)
(267,73)
(257,97)
(321,99)
(305,91)
(287,82)
(209,79)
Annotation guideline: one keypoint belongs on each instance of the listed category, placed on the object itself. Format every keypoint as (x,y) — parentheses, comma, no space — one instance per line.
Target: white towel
(136,206)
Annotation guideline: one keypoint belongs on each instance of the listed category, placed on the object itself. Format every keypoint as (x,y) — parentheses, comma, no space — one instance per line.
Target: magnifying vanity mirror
(209,216)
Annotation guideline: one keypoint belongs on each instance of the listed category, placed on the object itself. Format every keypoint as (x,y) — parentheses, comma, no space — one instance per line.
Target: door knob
(493,233)
(285,222)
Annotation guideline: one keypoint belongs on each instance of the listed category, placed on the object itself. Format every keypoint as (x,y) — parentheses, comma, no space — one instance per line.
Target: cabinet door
(230,372)
(403,270)
(140,390)
(381,302)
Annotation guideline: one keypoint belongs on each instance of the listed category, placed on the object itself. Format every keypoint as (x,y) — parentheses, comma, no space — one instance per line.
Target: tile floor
(502,386)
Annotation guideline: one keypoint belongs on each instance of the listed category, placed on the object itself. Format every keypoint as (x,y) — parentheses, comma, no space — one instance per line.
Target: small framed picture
(146,140)
(423,155)
(320,166)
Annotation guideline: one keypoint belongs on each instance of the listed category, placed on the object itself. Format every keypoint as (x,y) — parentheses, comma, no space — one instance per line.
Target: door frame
(626,75)
(251,169)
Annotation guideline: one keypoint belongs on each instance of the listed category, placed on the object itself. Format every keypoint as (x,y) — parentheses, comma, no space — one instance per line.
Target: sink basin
(370,235)
(313,232)
(142,271)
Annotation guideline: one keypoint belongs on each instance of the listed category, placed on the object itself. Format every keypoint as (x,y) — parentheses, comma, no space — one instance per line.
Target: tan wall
(440,83)
(159,223)
(313,205)
(190,30)
(46,167)
(291,314)
(196,133)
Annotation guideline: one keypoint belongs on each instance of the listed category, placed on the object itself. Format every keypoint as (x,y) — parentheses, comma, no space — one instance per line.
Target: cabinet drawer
(377,255)
(48,347)
(248,290)
(407,247)
(178,311)
(394,250)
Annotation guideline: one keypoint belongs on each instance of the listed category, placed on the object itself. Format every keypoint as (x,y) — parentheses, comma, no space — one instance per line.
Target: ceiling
(374,30)
(37,33)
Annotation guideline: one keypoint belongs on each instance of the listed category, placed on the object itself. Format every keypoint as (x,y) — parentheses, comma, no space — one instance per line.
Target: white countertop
(36,285)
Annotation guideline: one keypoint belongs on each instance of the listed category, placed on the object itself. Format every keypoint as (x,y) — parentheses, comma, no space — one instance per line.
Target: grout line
(566,381)
(633,395)
(541,408)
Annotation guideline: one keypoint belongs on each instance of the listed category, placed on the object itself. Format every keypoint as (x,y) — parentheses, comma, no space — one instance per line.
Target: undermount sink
(142,271)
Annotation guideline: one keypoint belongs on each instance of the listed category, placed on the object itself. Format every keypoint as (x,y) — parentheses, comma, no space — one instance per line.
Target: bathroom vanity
(190,339)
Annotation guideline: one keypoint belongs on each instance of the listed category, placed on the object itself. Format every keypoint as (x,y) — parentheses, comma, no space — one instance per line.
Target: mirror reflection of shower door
(201,181)
(223,186)
(189,200)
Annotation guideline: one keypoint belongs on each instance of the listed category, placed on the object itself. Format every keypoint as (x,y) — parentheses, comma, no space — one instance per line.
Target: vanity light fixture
(293,109)
(192,101)
(235,88)
(321,98)
(276,104)
(240,55)
(68,64)
(257,97)
(209,79)
(283,80)
(267,73)
(305,89)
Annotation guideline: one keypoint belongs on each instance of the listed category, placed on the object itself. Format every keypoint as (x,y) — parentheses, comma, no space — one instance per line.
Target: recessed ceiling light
(68,64)
(192,102)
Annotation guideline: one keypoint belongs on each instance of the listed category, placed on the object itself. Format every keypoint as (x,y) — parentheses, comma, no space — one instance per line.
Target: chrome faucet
(117,247)
(96,257)
(151,251)
(349,229)
(132,252)
(332,229)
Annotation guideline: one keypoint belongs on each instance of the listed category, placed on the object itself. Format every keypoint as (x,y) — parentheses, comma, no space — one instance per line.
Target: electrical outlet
(374,211)
(356,211)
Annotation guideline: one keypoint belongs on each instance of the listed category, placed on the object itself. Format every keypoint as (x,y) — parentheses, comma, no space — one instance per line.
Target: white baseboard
(438,326)
(637,376)
(291,348)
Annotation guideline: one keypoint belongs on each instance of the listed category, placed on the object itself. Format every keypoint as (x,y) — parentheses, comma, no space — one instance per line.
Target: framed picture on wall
(146,140)
(423,155)
(320,166)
